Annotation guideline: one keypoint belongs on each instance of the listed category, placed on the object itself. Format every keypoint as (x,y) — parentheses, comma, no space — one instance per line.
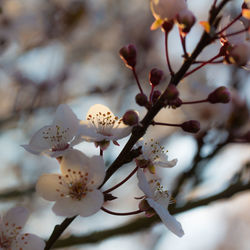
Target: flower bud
(171,93)
(220,95)
(186,20)
(128,55)
(130,118)
(167,26)
(155,96)
(155,76)
(141,99)
(176,103)
(240,54)
(191,126)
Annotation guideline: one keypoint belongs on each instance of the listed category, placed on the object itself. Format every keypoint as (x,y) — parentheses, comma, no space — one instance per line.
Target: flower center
(58,137)
(155,149)
(78,190)
(103,121)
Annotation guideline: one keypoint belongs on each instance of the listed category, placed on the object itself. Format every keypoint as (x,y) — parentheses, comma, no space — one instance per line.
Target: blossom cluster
(78,188)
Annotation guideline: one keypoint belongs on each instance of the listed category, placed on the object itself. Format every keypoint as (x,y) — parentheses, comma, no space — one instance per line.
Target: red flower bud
(155,76)
(191,126)
(128,55)
(130,118)
(219,95)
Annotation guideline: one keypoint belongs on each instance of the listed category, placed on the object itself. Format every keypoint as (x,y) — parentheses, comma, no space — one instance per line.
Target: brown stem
(120,214)
(122,182)
(167,55)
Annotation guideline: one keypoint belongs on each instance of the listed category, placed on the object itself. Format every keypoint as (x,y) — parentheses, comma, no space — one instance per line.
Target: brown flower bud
(186,20)
(155,96)
(141,99)
(128,55)
(171,93)
(219,95)
(191,126)
(155,76)
(130,118)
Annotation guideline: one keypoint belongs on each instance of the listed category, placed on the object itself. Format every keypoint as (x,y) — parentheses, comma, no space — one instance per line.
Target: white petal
(88,132)
(97,171)
(87,206)
(66,118)
(143,183)
(95,109)
(76,161)
(169,221)
(166,164)
(91,204)
(51,187)
(38,143)
(16,217)
(121,131)
(28,242)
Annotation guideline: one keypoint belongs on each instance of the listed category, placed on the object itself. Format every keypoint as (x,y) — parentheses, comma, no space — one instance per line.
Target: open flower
(153,155)
(102,126)
(75,190)
(159,199)
(55,139)
(11,226)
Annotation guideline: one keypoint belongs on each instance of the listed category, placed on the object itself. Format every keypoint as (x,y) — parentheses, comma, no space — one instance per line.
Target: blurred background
(67,51)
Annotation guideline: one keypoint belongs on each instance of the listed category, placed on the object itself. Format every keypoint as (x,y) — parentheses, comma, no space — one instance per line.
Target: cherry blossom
(159,199)
(153,155)
(11,225)
(75,191)
(55,139)
(102,126)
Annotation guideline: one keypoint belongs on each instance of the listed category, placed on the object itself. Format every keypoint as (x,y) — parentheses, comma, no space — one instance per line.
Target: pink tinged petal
(66,118)
(169,221)
(28,242)
(166,164)
(52,187)
(87,206)
(14,220)
(74,161)
(39,142)
(143,183)
(97,171)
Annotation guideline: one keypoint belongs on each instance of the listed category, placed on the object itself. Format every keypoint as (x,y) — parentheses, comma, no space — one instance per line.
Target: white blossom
(55,139)
(159,199)
(102,126)
(153,155)
(75,191)
(11,225)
